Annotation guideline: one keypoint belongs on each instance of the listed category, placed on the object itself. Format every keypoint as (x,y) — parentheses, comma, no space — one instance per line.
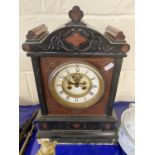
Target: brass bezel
(72,105)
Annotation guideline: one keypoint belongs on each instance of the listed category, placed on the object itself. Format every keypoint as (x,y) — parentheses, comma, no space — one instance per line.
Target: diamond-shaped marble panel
(75,39)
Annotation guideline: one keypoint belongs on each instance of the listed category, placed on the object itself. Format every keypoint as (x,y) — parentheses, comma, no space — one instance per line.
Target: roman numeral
(59,85)
(94,86)
(67,98)
(62,77)
(86,72)
(76,99)
(67,71)
(77,68)
(85,98)
(91,93)
(61,92)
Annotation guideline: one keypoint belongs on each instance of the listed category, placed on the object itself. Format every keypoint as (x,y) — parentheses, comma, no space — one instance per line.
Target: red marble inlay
(44,125)
(76,125)
(107,126)
(75,39)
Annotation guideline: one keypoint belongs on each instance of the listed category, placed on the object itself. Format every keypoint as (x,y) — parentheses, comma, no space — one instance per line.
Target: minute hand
(82,83)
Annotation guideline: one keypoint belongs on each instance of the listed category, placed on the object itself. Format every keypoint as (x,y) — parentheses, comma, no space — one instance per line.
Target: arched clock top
(75,38)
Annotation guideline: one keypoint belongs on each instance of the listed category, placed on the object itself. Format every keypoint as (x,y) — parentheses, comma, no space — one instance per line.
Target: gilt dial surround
(76,84)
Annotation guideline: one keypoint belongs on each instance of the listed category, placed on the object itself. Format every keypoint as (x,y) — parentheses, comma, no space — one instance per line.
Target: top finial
(75,14)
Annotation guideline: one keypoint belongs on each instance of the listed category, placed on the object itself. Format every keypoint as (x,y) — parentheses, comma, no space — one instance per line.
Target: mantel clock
(76,71)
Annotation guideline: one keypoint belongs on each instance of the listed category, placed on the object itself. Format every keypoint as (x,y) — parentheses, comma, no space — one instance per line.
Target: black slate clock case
(76,41)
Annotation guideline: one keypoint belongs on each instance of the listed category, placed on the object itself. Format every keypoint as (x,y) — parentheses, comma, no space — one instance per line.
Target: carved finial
(75,14)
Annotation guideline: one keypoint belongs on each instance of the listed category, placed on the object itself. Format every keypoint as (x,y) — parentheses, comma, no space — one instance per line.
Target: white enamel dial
(76,85)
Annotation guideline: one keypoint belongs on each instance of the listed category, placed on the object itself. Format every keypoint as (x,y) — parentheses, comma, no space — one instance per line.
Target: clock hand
(82,83)
(76,84)
(71,83)
(76,78)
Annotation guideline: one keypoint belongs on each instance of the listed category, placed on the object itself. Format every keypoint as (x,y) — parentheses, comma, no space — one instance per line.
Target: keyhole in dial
(84,85)
(69,87)
(84,88)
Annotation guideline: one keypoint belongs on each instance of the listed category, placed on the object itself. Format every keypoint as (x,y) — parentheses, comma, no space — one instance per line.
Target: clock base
(87,136)
(79,129)
(105,123)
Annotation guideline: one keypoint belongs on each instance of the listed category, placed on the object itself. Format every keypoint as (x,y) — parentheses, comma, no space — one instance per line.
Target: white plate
(126,131)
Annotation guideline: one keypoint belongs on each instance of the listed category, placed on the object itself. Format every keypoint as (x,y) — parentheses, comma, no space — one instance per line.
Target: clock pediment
(75,37)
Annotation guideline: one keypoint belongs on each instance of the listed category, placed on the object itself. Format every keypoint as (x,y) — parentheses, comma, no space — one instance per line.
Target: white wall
(98,14)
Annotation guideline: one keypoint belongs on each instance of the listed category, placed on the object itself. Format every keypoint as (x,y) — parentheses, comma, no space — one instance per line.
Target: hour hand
(70,82)
(82,83)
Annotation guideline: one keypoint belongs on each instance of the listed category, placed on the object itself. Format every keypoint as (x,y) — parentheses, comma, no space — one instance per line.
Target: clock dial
(76,85)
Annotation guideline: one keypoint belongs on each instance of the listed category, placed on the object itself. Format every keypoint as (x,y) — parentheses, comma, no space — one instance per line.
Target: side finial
(76,14)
